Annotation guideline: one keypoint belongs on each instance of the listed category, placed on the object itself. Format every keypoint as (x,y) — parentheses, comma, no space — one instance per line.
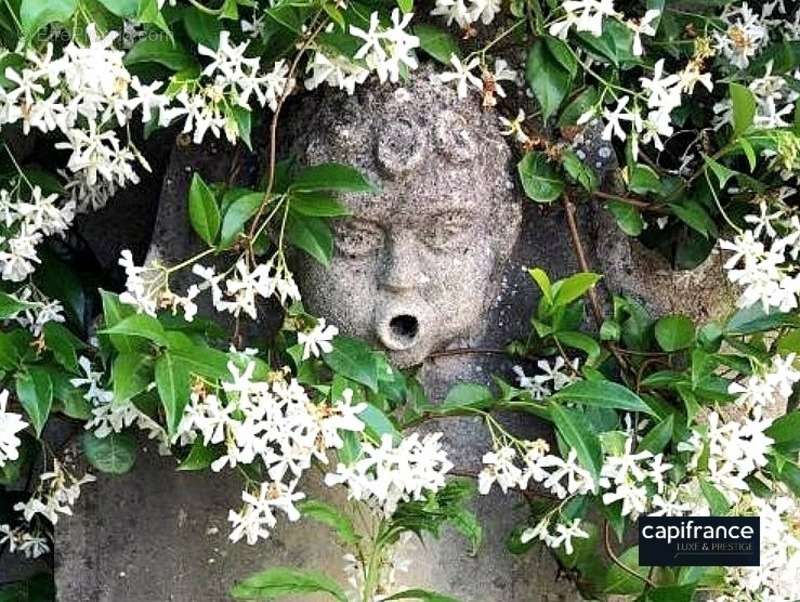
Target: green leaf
(549,81)
(716,501)
(671,593)
(353,359)
(421,594)
(543,281)
(674,333)
(561,52)
(279,582)
(316,204)
(466,395)
(331,516)
(621,581)
(203,361)
(35,14)
(312,235)
(150,13)
(580,104)
(377,423)
(439,44)
(35,393)
(10,306)
(131,373)
(785,431)
(173,382)
(139,325)
(659,436)
(115,312)
(643,180)
(568,290)
(114,454)
(236,216)
(162,51)
(723,173)
(582,341)
(581,172)
(744,108)
(63,344)
(693,215)
(578,434)
(203,210)
(603,394)
(628,217)
(200,457)
(202,28)
(539,179)
(753,319)
(331,176)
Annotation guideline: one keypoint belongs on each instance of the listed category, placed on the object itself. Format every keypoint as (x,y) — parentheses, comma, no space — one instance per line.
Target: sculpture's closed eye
(358,238)
(445,231)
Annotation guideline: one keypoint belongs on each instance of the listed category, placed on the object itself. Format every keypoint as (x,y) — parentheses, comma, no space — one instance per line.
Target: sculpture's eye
(445,231)
(358,238)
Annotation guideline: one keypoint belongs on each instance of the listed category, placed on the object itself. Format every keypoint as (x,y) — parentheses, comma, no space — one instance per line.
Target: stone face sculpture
(417,263)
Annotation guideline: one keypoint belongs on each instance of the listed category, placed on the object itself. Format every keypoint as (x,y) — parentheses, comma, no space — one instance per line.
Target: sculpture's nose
(402,272)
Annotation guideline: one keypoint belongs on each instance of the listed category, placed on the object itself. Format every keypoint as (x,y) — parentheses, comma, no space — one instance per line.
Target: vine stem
(273,130)
(468,351)
(629,201)
(615,559)
(577,245)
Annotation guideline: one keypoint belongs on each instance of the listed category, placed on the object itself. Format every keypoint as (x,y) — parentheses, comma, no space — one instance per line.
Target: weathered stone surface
(703,294)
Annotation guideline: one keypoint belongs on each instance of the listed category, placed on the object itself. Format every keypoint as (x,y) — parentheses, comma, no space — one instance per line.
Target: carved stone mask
(416,264)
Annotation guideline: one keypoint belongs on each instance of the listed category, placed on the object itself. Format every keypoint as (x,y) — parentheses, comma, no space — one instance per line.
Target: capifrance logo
(699,541)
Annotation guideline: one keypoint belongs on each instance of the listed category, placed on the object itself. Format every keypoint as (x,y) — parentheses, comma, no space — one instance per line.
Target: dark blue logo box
(699,541)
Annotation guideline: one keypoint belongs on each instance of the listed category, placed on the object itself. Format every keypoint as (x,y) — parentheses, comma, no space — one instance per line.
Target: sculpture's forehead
(423,199)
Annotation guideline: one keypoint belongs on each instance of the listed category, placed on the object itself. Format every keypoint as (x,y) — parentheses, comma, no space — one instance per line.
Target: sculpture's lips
(399,331)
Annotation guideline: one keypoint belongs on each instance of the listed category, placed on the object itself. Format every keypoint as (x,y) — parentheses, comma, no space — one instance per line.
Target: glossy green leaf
(578,434)
(35,14)
(280,582)
(114,453)
(312,235)
(547,78)
(353,359)
(173,382)
(744,108)
(540,180)
(333,517)
(658,437)
(35,393)
(604,394)
(674,333)
(236,215)
(203,210)
(331,176)
(436,42)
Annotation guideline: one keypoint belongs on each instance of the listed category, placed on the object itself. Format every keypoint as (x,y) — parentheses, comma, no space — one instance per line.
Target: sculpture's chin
(407,358)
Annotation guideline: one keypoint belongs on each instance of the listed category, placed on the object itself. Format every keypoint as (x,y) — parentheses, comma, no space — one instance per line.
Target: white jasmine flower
(462,75)
(613,118)
(11,423)
(642,27)
(317,340)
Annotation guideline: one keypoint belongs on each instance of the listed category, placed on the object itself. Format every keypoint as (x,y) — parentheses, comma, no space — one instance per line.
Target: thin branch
(644,206)
(577,244)
(617,561)
(469,351)
(273,130)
